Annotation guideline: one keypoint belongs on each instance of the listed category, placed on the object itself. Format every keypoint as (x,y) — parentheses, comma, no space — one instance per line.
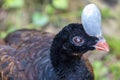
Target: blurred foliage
(49,9)
(100,70)
(57,4)
(42,14)
(115,69)
(39,19)
(114,43)
(2,34)
(106,13)
(13,3)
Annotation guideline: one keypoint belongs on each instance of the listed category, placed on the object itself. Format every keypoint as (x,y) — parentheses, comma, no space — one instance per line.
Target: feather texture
(30,61)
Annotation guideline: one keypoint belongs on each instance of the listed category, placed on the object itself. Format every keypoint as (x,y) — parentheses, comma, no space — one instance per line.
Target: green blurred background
(52,15)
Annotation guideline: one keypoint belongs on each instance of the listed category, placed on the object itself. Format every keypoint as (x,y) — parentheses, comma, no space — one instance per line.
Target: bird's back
(26,57)
(23,37)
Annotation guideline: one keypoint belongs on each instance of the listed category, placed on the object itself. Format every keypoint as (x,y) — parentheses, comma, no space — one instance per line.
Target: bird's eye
(78,40)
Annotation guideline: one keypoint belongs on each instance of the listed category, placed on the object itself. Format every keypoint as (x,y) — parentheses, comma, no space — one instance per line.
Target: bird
(37,55)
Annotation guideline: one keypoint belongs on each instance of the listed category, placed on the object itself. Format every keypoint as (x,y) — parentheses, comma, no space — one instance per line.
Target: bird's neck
(63,63)
(62,57)
(66,66)
(70,67)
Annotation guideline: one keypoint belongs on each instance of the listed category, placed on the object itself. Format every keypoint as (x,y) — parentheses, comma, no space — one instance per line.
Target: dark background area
(52,15)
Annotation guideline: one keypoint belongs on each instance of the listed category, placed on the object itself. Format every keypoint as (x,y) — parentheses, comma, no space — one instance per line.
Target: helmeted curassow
(36,55)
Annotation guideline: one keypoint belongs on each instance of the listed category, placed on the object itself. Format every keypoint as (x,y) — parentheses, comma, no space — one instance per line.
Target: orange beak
(102,46)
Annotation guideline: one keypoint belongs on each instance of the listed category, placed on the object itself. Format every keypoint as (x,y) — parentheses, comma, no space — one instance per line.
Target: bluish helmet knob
(91,20)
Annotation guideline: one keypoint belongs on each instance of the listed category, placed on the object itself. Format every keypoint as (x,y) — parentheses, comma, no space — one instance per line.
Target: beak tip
(102,46)
(107,50)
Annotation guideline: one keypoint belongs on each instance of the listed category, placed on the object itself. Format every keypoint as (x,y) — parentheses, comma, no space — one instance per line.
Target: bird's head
(76,39)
